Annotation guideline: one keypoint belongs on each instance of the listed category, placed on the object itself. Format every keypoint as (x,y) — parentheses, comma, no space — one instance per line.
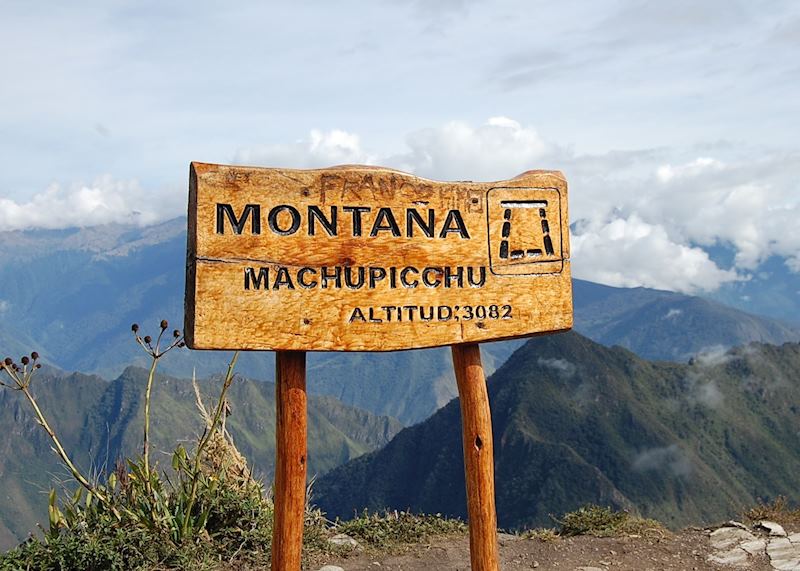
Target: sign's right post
(476,426)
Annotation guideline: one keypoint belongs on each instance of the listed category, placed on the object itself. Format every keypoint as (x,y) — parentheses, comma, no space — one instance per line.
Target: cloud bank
(671,459)
(646,217)
(319,149)
(103,202)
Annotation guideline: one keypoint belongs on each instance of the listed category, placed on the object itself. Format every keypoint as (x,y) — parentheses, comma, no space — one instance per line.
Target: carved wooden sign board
(362,258)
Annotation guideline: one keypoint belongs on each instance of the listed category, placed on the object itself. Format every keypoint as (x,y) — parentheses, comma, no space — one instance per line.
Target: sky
(676,123)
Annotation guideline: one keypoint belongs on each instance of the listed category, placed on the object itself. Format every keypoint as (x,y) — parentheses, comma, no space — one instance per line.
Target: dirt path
(684,551)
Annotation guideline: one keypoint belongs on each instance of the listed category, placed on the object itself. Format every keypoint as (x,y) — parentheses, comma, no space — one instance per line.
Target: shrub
(778,510)
(606,522)
(393,528)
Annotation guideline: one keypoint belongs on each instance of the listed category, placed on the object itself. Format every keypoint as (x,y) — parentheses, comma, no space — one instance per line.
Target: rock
(535,564)
(783,555)
(755,547)
(732,558)
(726,538)
(733,523)
(331,568)
(588,569)
(343,540)
(780,546)
(786,564)
(774,529)
(795,538)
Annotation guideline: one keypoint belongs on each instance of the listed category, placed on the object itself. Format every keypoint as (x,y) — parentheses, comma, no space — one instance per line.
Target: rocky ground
(764,546)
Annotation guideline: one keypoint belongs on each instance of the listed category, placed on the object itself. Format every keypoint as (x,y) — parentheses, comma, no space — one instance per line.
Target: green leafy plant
(207,504)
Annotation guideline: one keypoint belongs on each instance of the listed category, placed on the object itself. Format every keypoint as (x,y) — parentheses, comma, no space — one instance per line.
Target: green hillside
(100,421)
(576,422)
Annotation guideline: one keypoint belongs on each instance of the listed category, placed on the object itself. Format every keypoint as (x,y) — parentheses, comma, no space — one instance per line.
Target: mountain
(577,422)
(771,289)
(73,294)
(100,421)
(666,325)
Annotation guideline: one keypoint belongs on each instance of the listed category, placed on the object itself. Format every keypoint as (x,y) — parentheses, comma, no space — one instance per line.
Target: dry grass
(598,522)
(546,534)
(778,510)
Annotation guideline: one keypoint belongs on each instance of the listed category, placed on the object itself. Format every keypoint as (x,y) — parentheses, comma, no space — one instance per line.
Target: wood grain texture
(371,259)
(476,426)
(290,460)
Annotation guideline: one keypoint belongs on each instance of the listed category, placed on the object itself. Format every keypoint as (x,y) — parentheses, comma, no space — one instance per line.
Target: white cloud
(749,202)
(498,149)
(630,252)
(106,201)
(320,149)
(713,356)
(667,173)
(564,368)
(701,390)
(752,204)
(4,306)
(708,394)
(670,458)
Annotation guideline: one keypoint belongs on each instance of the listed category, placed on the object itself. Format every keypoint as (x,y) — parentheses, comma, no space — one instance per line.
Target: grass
(239,539)
(598,521)
(546,534)
(392,528)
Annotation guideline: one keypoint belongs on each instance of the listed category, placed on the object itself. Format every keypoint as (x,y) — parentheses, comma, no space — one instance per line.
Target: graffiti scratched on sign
(371,259)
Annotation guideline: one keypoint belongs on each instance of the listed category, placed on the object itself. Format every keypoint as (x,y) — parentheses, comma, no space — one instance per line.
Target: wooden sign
(361,258)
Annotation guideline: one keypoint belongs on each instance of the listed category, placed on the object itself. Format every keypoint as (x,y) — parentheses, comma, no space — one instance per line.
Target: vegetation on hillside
(204,511)
(99,421)
(575,422)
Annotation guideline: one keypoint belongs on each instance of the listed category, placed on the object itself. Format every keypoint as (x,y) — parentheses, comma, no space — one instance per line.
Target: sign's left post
(290,460)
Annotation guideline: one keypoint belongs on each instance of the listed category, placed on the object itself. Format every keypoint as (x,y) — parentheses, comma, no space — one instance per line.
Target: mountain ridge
(576,422)
(99,421)
(72,295)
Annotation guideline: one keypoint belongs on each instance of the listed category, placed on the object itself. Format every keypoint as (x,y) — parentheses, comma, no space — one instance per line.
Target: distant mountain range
(100,421)
(72,295)
(577,422)
(664,325)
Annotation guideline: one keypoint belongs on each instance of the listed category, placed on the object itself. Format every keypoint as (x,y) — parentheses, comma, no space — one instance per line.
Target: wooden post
(476,422)
(290,460)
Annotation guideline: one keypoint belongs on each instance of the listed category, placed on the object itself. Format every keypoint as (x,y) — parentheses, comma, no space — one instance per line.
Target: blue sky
(675,122)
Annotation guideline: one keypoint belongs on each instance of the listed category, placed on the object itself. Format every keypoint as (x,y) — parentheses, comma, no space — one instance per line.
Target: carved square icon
(524,231)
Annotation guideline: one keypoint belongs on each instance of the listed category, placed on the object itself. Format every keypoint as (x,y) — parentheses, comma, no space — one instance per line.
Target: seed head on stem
(155,352)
